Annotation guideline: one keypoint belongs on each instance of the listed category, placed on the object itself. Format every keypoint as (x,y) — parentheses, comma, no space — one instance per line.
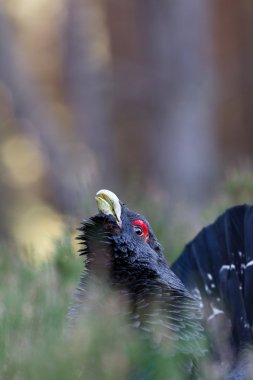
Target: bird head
(124,235)
(131,232)
(123,241)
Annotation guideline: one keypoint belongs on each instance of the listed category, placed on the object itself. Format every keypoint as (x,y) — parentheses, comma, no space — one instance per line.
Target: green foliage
(36,344)
(33,305)
(236,189)
(34,302)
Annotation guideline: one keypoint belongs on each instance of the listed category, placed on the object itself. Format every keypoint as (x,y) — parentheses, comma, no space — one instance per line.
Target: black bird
(209,285)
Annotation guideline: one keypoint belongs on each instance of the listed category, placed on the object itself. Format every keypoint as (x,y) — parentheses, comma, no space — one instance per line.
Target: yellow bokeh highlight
(22,160)
(29,9)
(37,228)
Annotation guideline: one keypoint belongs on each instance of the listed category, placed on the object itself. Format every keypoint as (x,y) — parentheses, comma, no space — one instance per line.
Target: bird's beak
(109,204)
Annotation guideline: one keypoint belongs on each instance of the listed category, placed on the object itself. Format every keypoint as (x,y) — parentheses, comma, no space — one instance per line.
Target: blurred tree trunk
(247,45)
(87,78)
(234,56)
(133,98)
(163,95)
(187,141)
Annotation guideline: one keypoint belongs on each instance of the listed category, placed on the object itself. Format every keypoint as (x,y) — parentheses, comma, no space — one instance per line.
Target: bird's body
(167,303)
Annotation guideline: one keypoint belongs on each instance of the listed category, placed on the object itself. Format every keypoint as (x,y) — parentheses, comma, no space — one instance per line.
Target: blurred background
(151,99)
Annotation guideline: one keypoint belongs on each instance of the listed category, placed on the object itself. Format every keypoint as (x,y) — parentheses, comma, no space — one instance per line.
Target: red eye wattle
(140,228)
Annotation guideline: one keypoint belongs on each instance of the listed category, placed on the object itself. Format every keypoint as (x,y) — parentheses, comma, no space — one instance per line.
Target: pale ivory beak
(109,204)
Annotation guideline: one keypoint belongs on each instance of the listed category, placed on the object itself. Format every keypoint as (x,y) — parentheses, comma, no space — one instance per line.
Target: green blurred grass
(34,301)
(35,342)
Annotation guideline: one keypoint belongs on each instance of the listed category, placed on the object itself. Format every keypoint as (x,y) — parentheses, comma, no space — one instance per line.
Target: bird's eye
(140,228)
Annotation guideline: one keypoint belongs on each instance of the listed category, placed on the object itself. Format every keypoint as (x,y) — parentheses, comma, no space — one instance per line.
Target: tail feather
(219,264)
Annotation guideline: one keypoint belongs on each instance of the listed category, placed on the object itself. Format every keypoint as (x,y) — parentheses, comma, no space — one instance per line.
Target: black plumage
(138,270)
(218,264)
(209,284)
